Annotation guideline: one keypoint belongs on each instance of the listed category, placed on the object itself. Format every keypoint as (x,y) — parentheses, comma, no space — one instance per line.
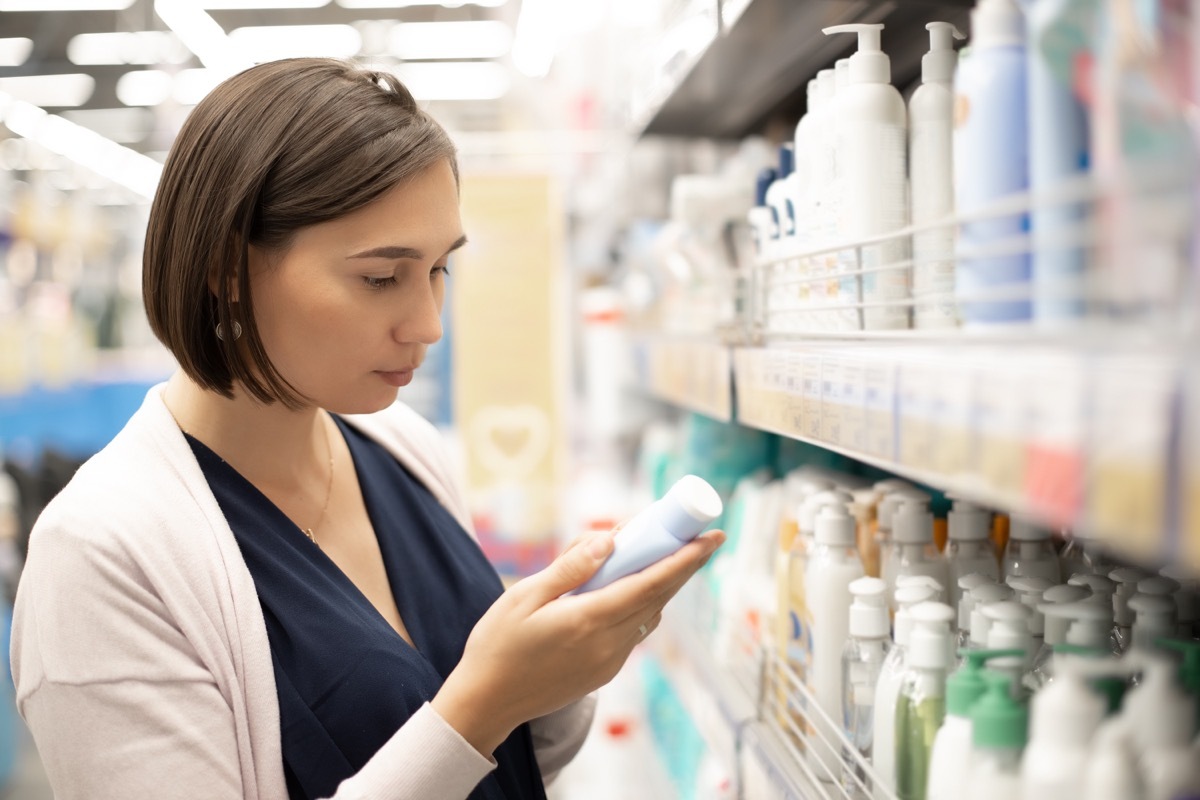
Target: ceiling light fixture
(14,51)
(202,34)
(536,41)
(272,42)
(144,87)
(57,91)
(65,5)
(418,41)
(127,47)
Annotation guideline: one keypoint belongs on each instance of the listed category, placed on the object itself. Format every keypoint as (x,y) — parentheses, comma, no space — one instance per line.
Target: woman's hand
(535,650)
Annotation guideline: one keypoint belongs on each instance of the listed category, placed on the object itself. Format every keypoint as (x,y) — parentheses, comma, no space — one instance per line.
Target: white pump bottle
(872,159)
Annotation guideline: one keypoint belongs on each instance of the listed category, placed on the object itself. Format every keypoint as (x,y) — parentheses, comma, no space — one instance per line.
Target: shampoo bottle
(872,165)
(999,729)
(1030,552)
(659,530)
(913,550)
(981,597)
(1057,618)
(1163,719)
(832,567)
(931,162)
(1063,718)
(965,604)
(1009,630)
(1154,619)
(862,659)
(991,163)
(968,548)
(886,516)
(949,765)
(1112,769)
(921,706)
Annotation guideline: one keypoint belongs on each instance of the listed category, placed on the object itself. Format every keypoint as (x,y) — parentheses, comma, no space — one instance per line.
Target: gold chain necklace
(328,489)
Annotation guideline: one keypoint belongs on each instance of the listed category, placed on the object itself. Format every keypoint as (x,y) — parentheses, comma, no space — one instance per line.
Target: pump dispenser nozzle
(870,64)
(937,66)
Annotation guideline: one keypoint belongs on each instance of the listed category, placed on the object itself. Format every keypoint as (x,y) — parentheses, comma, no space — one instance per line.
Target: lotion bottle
(862,660)
(1009,630)
(913,550)
(981,597)
(966,584)
(872,165)
(662,528)
(1163,719)
(968,548)
(1063,717)
(999,729)
(921,706)
(931,164)
(1030,552)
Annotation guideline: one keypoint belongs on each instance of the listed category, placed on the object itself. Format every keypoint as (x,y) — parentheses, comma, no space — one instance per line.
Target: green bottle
(921,706)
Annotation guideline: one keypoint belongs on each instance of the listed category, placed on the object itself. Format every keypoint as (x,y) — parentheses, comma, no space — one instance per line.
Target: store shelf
(692,373)
(763,54)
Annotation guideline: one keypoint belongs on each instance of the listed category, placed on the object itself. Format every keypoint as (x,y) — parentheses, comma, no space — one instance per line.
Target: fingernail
(600,546)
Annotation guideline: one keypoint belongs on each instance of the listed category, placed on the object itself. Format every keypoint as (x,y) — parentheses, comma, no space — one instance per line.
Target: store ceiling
(94,97)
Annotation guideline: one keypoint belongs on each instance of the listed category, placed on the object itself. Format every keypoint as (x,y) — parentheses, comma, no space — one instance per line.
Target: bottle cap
(1091,624)
(806,517)
(1155,619)
(1065,710)
(835,527)
(929,640)
(919,580)
(892,485)
(938,64)
(825,86)
(1126,579)
(981,597)
(1029,589)
(966,522)
(1064,593)
(868,609)
(997,23)
(1097,584)
(966,583)
(892,502)
(869,64)
(965,685)
(1057,618)
(1023,530)
(1158,585)
(912,524)
(998,721)
(688,507)
(1008,626)
(906,598)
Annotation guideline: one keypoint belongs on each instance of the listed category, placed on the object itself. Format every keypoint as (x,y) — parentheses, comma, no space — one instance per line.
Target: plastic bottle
(1057,619)
(659,530)
(931,163)
(1030,552)
(913,550)
(762,217)
(921,706)
(886,518)
(1063,717)
(1163,720)
(949,764)
(1091,626)
(1154,619)
(1058,153)
(999,729)
(981,597)
(1009,630)
(1126,579)
(1112,770)
(804,146)
(966,584)
(872,164)
(832,567)
(991,142)
(887,690)
(862,661)
(800,645)
(969,548)
(1029,591)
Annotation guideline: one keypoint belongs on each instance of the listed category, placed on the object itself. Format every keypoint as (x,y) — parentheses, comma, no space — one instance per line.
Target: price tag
(1055,459)
(831,399)
(879,386)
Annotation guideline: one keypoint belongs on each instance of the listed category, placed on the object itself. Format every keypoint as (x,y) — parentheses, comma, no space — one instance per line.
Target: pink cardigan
(140,654)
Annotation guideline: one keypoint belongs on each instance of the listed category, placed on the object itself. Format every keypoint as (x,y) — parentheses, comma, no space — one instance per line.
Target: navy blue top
(346,680)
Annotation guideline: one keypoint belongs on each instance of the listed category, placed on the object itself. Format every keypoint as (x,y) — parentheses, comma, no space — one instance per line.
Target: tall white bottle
(931,171)
(862,660)
(832,567)
(872,161)
(1063,717)
(823,200)
(914,552)
(1163,718)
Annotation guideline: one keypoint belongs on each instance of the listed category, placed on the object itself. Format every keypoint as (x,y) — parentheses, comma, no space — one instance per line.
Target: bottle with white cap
(999,731)
(833,565)
(862,661)
(887,690)
(1029,590)
(921,706)
(981,597)
(931,122)
(1090,626)
(1009,630)
(798,611)
(661,529)
(913,549)
(966,584)
(1056,619)
(969,546)
(1154,619)
(888,507)
(1030,552)
(1063,717)
(1163,719)
(1112,769)
(949,763)
(873,164)
(1126,579)
(1096,584)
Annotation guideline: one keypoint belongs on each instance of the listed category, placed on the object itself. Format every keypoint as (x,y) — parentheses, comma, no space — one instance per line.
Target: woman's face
(348,311)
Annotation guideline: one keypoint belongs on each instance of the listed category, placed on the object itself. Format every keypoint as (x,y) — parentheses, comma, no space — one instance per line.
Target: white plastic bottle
(862,661)
(913,549)
(1029,591)
(805,144)
(1009,630)
(887,690)
(1154,619)
(1030,552)
(1091,626)
(921,706)
(1112,770)
(931,170)
(981,597)
(1162,719)
(1063,717)
(872,165)
(949,767)
(823,198)
(662,528)
(885,520)
(1057,619)
(762,217)
(832,567)
(969,546)
(966,584)
(999,730)
(991,162)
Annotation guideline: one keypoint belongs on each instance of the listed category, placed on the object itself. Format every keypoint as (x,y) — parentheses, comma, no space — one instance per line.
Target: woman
(265,586)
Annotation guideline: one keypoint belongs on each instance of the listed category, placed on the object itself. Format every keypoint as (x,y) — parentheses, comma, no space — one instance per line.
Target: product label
(915,432)
(879,385)
(831,399)
(812,396)
(854,418)
(1003,431)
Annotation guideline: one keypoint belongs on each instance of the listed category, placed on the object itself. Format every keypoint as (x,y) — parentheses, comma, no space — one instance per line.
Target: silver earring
(237,331)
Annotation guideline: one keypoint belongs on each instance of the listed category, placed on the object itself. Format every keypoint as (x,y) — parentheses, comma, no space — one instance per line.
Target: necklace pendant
(308,532)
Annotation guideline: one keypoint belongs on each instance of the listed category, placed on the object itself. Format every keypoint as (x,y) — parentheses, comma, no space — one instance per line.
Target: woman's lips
(399,378)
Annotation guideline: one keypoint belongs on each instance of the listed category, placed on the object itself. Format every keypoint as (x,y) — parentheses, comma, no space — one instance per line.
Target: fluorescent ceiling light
(269,43)
(411,3)
(144,87)
(83,146)
(124,125)
(202,34)
(65,5)
(417,41)
(191,85)
(455,80)
(138,47)
(228,5)
(14,51)
(536,42)
(68,89)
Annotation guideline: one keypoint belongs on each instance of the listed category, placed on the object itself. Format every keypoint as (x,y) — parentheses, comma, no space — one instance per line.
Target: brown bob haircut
(274,149)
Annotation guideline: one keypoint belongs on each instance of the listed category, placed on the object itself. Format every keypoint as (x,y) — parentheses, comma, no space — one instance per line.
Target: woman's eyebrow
(396,251)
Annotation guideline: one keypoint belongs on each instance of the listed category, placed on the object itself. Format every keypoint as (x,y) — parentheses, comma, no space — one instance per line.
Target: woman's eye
(441,269)
(379,283)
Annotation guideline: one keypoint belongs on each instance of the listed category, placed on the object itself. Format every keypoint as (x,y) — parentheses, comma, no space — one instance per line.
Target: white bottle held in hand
(662,528)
